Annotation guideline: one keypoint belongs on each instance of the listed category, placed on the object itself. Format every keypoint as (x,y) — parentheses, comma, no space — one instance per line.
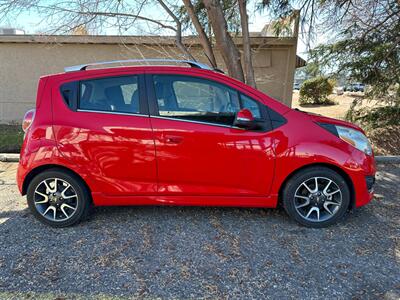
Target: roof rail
(193,64)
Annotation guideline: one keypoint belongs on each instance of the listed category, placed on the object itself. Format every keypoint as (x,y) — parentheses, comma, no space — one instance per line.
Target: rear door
(199,152)
(102,124)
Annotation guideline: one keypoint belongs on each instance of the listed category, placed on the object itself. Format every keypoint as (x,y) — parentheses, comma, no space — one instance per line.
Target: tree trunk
(204,40)
(248,61)
(225,44)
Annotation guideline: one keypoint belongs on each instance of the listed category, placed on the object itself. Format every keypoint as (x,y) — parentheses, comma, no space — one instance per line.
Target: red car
(177,135)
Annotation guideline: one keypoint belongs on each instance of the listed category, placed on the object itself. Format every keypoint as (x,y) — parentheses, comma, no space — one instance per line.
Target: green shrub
(316,91)
(11,138)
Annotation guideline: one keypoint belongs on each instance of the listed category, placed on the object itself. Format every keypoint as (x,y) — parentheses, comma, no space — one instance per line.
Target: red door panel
(116,149)
(202,159)
(120,158)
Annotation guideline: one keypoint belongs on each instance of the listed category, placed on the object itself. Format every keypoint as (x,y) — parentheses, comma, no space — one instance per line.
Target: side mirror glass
(245,119)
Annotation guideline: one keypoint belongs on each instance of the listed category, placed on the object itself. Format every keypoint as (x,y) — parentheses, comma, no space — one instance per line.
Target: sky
(31,24)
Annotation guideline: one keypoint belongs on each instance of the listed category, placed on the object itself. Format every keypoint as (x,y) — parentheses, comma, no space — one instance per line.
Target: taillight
(28,119)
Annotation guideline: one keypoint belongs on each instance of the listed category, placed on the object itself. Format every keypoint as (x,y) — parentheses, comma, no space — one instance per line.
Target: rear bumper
(23,170)
(20,179)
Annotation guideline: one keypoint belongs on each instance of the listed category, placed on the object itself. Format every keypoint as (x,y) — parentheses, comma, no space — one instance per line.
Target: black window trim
(196,122)
(154,110)
(143,103)
(72,104)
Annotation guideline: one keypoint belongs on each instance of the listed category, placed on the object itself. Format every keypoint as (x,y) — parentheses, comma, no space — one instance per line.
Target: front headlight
(354,138)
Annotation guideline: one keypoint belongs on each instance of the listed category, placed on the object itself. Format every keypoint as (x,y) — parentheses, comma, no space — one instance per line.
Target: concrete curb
(9,157)
(390,159)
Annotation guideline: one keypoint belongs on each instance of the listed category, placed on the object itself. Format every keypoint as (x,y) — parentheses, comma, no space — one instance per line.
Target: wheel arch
(335,168)
(28,178)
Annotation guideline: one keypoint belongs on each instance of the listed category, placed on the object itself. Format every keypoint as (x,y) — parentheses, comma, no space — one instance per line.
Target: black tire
(81,202)
(317,200)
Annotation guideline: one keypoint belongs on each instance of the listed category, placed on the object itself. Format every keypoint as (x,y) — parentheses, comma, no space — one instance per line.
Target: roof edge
(132,40)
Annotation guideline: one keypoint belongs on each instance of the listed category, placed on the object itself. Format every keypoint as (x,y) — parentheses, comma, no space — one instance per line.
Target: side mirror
(244,119)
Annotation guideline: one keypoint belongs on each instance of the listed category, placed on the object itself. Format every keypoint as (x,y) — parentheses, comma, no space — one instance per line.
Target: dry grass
(385,141)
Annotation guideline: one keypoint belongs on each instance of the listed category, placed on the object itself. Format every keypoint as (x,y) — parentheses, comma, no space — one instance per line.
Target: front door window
(195,99)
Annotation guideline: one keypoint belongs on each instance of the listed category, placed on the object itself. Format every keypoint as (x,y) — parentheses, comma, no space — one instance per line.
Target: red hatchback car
(176,135)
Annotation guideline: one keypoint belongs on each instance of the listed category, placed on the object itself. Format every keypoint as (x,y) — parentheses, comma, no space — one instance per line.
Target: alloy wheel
(55,199)
(317,199)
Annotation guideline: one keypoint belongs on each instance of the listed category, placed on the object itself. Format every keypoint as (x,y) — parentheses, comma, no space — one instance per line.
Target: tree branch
(178,31)
(108,14)
(225,44)
(248,61)
(204,40)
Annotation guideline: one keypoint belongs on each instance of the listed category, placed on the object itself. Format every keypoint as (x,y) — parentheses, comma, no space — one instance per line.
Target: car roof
(192,63)
(135,68)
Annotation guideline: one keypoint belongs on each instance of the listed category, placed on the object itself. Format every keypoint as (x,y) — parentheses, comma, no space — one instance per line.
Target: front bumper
(370,181)
(363,178)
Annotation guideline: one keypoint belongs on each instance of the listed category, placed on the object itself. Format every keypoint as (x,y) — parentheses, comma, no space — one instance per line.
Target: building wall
(22,63)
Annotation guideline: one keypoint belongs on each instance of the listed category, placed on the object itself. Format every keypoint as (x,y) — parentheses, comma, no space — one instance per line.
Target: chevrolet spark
(177,135)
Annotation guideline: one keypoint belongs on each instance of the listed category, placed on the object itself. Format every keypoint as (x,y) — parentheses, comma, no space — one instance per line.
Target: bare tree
(204,40)
(248,61)
(178,30)
(225,44)
(94,15)
(68,16)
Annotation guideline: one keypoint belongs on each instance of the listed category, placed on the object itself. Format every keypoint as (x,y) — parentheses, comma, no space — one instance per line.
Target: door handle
(172,139)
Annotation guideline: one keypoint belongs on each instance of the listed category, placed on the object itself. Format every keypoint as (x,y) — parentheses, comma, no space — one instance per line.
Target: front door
(198,150)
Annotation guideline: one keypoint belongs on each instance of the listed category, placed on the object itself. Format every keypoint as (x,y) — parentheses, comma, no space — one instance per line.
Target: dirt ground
(337,111)
(201,252)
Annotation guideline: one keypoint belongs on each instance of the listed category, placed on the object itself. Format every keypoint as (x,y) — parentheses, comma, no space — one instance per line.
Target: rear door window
(113,94)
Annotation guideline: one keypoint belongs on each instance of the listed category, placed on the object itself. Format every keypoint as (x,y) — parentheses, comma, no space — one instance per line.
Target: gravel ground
(192,252)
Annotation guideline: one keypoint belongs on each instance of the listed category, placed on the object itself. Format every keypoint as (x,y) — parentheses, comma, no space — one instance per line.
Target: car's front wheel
(316,197)
(58,198)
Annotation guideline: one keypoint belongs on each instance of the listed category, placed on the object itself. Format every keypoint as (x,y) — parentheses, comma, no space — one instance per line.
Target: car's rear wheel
(316,197)
(58,198)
